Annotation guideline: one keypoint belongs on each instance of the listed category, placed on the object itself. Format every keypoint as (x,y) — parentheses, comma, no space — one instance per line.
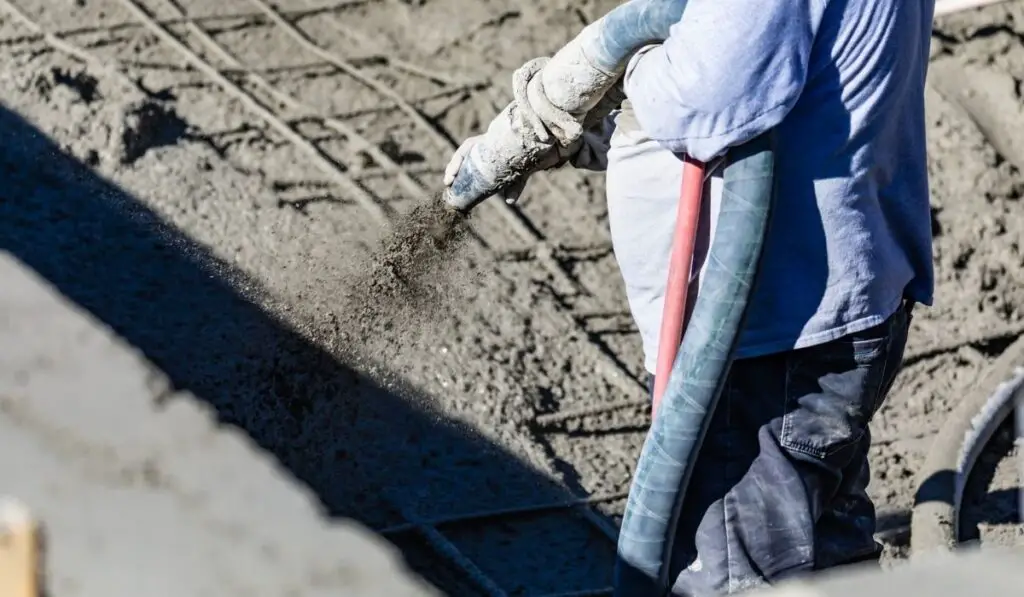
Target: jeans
(779,486)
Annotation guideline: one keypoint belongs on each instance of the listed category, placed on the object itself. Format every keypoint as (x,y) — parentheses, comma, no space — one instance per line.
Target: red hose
(673,319)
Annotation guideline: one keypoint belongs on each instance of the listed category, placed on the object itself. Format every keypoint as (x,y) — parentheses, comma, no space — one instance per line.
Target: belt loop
(908,305)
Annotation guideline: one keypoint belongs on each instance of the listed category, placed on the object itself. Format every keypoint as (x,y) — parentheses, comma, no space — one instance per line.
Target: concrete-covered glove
(557,157)
(570,141)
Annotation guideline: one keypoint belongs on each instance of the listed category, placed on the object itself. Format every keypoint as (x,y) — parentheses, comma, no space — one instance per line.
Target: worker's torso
(851,229)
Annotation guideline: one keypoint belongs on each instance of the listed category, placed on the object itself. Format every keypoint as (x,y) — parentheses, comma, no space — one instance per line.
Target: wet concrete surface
(211,238)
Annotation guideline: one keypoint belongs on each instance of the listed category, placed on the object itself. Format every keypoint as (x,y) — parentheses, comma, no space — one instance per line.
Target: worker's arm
(729,71)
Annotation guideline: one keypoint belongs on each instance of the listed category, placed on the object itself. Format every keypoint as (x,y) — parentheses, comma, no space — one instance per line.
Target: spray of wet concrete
(409,266)
(410,282)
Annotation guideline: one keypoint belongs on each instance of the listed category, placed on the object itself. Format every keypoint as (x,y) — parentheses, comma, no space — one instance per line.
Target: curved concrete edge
(139,491)
(955,450)
(988,571)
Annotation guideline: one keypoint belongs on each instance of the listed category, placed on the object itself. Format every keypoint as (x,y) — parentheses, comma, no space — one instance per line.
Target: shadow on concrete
(996,507)
(364,451)
(893,528)
(981,504)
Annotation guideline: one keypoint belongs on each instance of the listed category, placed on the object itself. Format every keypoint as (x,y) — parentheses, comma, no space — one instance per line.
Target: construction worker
(780,482)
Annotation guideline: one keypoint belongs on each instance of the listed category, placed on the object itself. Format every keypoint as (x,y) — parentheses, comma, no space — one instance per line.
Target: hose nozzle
(470,187)
(499,159)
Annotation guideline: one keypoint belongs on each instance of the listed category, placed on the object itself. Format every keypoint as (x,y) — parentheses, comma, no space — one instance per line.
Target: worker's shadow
(361,449)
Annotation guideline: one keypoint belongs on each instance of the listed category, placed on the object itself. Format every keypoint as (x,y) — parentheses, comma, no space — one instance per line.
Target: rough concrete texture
(209,190)
(139,489)
(974,572)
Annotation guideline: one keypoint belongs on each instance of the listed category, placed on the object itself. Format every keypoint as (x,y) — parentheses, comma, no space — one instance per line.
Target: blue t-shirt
(842,82)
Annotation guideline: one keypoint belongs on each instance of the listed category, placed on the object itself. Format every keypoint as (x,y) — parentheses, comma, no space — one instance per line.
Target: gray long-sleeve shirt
(842,82)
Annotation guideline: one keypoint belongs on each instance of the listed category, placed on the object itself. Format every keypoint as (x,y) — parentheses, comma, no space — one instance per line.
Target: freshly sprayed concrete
(975,572)
(203,237)
(139,489)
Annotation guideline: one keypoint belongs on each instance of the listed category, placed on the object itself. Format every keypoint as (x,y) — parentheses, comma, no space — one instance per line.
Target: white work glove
(550,125)
(510,193)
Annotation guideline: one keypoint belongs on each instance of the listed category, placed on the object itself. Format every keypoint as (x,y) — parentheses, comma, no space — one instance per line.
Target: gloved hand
(536,115)
(556,157)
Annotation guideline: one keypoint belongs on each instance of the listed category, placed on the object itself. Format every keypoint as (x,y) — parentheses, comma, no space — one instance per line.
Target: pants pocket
(833,390)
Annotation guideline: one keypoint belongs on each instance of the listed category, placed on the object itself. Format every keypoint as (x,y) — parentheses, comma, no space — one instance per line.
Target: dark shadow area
(84,84)
(365,452)
(149,125)
(893,528)
(999,507)
(936,488)
(983,505)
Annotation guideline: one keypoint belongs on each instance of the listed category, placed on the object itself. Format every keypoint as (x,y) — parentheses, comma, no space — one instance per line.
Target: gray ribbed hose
(575,80)
(698,375)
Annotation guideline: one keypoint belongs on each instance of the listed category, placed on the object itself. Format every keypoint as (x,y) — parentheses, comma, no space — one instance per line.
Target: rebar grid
(520,224)
(541,250)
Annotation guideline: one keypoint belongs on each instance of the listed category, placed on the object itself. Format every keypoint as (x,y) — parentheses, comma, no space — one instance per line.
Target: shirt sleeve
(729,71)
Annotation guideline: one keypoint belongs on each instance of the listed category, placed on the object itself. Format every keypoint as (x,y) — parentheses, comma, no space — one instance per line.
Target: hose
(669,452)
(673,316)
(935,519)
(574,81)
